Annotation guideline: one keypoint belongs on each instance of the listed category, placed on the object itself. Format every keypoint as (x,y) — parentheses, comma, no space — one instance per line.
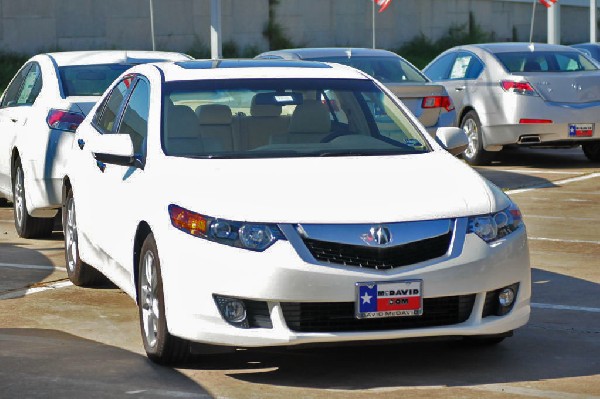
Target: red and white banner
(547,3)
(383,4)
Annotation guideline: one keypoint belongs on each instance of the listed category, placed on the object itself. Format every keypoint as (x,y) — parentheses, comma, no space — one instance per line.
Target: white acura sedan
(263,203)
(39,111)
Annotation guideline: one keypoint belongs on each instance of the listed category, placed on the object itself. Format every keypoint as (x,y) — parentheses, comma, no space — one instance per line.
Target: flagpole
(373,23)
(532,21)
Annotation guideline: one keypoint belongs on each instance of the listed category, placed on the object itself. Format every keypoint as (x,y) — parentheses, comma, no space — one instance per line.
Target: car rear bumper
(532,134)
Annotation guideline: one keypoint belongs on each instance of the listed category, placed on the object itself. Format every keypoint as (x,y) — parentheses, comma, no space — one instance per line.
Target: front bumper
(194,270)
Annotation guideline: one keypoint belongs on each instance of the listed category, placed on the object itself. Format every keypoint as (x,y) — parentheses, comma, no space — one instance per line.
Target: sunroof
(210,64)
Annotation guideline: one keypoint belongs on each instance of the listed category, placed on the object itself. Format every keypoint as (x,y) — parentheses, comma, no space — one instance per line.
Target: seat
(264,121)
(310,123)
(216,128)
(532,66)
(182,135)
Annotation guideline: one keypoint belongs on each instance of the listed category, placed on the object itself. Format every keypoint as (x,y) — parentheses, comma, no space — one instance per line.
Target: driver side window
(106,116)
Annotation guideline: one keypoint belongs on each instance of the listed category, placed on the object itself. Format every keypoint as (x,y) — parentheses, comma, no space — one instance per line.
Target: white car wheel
(79,272)
(27,226)
(161,347)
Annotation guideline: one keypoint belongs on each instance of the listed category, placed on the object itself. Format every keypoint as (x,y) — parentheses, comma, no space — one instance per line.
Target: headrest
(214,114)
(310,117)
(264,109)
(181,122)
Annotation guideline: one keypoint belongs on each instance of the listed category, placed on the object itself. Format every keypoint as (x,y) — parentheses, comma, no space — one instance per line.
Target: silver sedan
(521,93)
(429,102)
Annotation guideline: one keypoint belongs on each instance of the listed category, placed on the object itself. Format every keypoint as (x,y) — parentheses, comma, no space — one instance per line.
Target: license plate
(389,299)
(581,129)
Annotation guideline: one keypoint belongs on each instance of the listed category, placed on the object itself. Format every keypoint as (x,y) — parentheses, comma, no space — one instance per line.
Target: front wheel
(475,154)
(79,272)
(161,347)
(27,226)
(592,150)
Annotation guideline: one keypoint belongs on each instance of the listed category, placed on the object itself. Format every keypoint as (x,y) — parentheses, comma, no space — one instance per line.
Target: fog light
(506,297)
(234,311)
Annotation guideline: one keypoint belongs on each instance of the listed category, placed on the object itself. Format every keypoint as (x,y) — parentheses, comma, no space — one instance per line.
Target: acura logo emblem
(377,235)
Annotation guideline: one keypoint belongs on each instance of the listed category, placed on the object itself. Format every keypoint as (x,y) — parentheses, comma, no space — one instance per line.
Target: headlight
(251,236)
(496,225)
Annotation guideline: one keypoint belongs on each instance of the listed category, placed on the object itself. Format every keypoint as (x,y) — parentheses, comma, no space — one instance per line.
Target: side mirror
(116,149)
(453,139)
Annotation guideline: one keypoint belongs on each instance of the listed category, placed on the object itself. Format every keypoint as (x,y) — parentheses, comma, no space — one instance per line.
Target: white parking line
(33,267)
(555,183)
(565,307)
(529,171)
(563,240)
(35,290)
(538,393)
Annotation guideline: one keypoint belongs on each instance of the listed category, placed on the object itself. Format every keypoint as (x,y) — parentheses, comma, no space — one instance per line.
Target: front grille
(339,316)
(380,258)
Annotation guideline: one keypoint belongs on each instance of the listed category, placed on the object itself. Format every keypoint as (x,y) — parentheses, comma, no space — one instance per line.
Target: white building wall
(30,26)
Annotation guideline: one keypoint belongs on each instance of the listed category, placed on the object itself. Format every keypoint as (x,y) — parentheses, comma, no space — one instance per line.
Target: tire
(161,347)
(3,202)
(474,154)
(27,226)
(592,150)
(79,272)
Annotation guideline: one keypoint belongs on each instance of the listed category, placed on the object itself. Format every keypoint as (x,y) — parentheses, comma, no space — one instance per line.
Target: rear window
(384,69)
(545,61)
(89,80)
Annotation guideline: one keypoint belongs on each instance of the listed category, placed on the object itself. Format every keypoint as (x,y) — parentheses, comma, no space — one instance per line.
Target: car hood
(332,190)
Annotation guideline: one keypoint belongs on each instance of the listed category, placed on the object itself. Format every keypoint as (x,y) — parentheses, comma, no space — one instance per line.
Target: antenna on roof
(532,21)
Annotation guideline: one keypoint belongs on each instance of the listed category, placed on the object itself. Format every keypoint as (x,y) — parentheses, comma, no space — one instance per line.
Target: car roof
(255,69)
(320,52)
(518,46)
(114,57)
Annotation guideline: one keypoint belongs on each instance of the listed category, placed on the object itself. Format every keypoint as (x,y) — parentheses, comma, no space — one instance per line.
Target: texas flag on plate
(581,130)
(400,298)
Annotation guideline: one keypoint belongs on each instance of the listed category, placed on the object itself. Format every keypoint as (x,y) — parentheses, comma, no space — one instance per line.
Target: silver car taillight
(523,88)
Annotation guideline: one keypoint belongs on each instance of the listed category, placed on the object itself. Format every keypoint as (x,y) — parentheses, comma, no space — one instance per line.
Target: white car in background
(238,207)
(39,111)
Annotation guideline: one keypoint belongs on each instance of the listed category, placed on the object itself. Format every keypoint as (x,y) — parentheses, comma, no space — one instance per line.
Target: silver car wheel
(149,299)
(470,127)
(19,197)
(71,236)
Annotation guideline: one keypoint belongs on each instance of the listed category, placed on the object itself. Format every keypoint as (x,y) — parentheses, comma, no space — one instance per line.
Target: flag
(547,3)
(383,4)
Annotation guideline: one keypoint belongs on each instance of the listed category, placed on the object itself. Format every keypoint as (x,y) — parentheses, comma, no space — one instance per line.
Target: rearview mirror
(453,139)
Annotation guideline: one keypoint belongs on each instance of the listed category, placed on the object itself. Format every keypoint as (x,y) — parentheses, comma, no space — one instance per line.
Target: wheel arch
(143,230)
(14,157)
(464,112)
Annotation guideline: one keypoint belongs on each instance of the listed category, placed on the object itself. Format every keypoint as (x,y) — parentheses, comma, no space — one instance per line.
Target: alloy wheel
(19,199)
(150,301)
(470,128)
(71,236)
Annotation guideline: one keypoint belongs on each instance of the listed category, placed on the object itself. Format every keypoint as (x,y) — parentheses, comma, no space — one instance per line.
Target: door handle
(101,166)
(81,143)
(460,88)
(14,120)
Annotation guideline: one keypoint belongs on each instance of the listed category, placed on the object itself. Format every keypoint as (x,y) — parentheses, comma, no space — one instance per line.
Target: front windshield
(266,118)
(545,61)
(384,69)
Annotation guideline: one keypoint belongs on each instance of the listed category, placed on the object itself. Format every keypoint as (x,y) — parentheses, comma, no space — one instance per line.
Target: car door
(14,108)
(125,202)
(458,72)
(88,178)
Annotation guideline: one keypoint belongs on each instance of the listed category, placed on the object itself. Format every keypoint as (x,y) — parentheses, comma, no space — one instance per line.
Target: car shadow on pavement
(554,344)
(21,268)
(554,158)
(39,363)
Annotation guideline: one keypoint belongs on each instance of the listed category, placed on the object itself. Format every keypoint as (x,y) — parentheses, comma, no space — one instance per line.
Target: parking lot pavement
(57,340)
